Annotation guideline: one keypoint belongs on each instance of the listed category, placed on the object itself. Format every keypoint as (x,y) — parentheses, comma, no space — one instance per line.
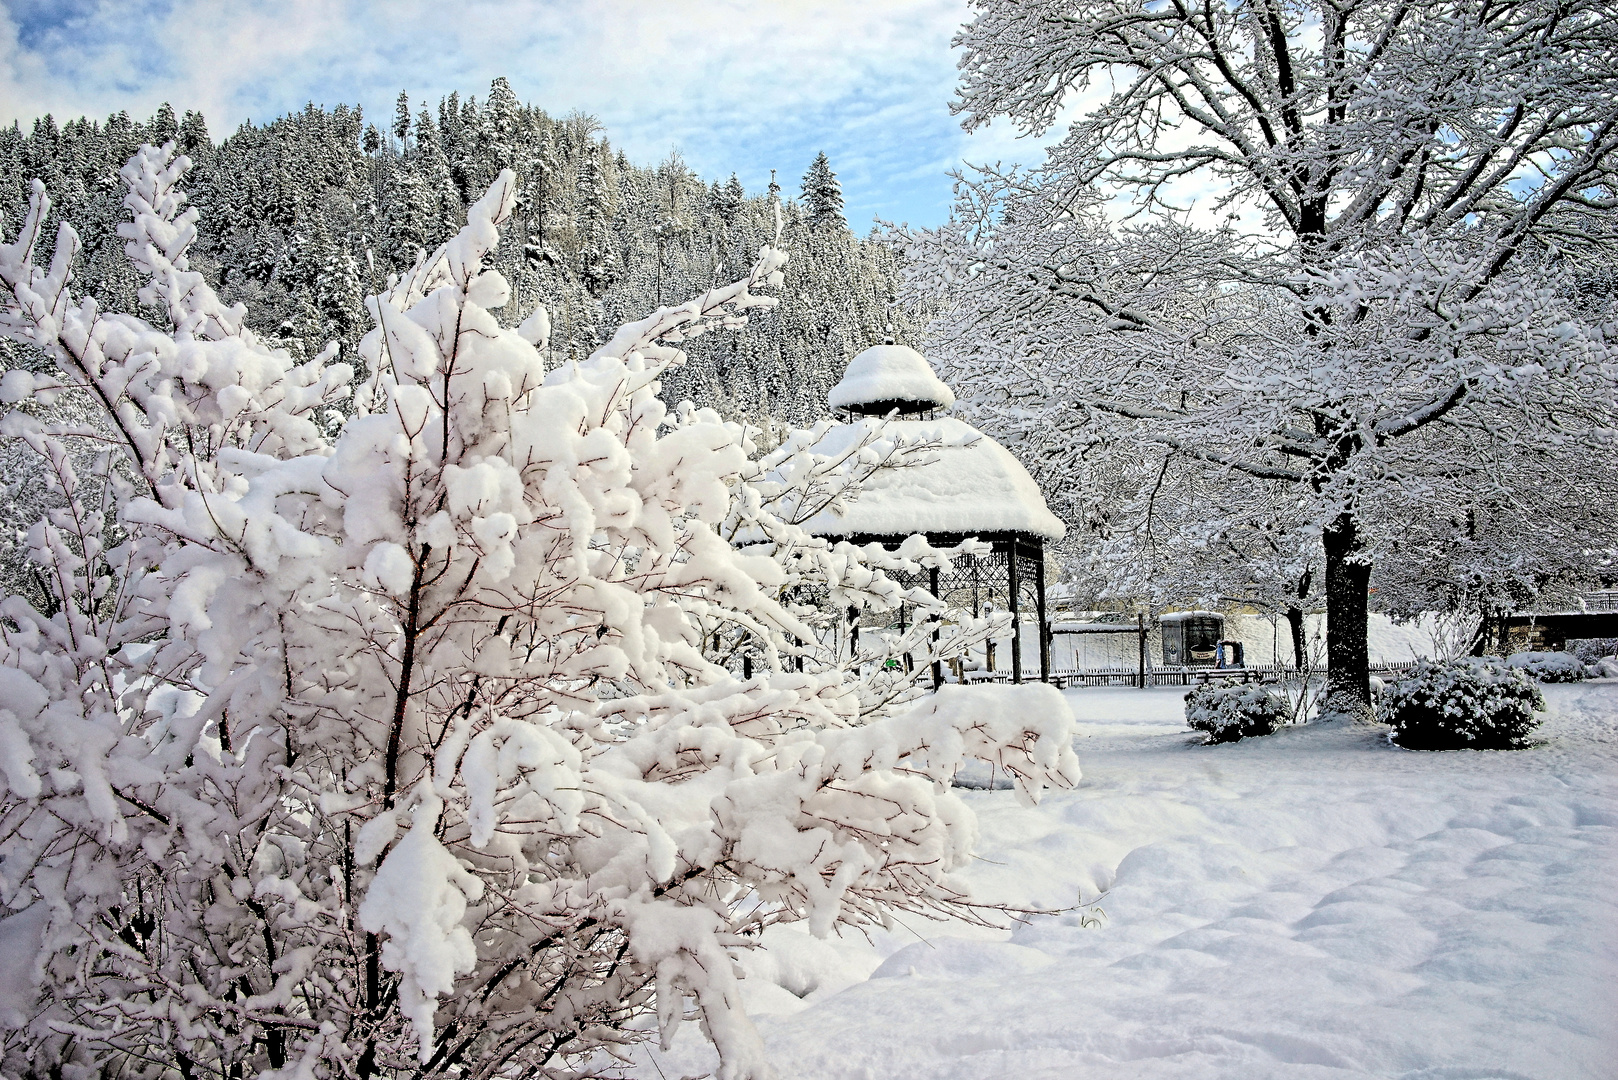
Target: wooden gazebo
(975,488)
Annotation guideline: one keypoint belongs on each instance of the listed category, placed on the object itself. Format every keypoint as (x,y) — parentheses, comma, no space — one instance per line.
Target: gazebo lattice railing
(1011,577)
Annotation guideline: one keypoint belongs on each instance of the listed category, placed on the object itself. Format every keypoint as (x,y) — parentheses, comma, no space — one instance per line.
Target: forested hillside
(305,215)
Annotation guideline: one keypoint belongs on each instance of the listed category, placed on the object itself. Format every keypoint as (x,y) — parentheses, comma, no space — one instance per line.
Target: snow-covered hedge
(1549,666)
(1228,713)
(1464,704)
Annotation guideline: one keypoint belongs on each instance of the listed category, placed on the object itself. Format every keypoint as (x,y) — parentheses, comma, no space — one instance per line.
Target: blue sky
(743,87)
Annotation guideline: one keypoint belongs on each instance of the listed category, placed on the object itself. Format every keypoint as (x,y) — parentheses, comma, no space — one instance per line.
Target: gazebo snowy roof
(977,489)
(887,377)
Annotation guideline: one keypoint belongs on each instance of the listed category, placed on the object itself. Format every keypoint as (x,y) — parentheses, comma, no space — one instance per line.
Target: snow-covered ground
(1316,904)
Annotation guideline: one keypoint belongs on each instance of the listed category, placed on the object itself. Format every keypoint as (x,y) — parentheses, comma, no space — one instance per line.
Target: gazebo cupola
(888,377)
(973,487)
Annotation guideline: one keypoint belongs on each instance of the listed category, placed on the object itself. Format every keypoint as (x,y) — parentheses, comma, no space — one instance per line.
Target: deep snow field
(1316,904)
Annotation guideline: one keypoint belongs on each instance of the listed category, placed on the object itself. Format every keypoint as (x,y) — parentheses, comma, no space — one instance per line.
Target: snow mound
(890,373)
(953,957)
(973,487)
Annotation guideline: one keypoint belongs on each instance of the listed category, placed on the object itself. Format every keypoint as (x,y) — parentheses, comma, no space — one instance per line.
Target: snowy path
(1315,904)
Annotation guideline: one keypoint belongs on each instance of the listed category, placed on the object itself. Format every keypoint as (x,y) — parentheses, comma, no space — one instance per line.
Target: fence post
(1140,619)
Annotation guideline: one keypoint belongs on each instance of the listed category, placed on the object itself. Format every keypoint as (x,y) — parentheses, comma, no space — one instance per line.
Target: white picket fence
(1170,676)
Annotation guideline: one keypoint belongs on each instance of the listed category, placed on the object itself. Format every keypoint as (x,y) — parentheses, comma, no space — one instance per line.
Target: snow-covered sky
(743,87)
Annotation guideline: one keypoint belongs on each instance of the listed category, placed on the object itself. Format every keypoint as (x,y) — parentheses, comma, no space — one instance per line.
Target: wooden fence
(1171,676)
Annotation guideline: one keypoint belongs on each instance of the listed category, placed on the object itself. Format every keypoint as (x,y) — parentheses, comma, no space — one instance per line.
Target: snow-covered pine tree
(397,751)
(1396,338)
(823,195)
(401,121)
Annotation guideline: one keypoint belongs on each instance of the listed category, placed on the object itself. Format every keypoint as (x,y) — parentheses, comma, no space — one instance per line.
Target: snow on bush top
(972,485)
(1549,666)
(890,373)
(1230,713)
(1468,704)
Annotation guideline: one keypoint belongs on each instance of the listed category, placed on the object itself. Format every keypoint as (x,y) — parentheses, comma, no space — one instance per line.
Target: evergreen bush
(1466,704)
(1229,713)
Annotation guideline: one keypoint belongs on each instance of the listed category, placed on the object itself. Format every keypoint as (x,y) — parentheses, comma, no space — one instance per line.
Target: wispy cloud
(743,87)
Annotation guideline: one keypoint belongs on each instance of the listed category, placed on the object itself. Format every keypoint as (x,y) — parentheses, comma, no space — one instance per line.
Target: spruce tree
(823,195)
(401,120)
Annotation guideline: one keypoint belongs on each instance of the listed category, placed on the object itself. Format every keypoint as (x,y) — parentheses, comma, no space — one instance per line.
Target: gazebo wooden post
(1044,624)
(938,665)
(1016,614)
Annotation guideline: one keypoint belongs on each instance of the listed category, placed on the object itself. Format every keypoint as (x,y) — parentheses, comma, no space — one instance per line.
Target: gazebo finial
(890,377)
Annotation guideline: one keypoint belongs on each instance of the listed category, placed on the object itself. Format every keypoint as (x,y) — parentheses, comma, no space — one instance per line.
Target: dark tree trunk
(1348,658)
(1300,645)
(1300,642)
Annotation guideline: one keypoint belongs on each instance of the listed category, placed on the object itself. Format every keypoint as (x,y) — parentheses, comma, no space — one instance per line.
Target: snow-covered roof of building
(890,373)
(974,489)
(1181,616)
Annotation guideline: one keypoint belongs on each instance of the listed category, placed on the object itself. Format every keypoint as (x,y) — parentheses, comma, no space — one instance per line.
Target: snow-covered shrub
(397,749)
(1549,666)
(1604,668)
(1229,713)
(1467,704)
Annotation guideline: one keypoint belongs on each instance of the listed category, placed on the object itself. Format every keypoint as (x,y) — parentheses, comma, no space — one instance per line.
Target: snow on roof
(974,489)
(1181,616)
(890,373)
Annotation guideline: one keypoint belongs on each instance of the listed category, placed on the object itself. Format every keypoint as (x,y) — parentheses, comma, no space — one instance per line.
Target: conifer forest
(310,212)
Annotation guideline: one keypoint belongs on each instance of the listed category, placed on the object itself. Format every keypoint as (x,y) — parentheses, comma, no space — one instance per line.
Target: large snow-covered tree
(383,740)
(1386,325)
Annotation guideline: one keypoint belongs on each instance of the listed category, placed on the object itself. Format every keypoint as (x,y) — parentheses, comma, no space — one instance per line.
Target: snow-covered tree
(1392,330)
(401,120)
(823,195)
(396,750)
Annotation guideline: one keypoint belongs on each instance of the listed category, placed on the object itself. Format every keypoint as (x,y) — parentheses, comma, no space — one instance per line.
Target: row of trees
(1396,387)
(309,213)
